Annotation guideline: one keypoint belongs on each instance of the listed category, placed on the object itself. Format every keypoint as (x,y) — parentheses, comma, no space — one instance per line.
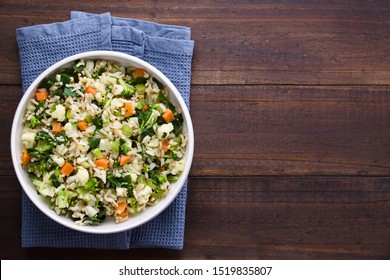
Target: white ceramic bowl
(108,226)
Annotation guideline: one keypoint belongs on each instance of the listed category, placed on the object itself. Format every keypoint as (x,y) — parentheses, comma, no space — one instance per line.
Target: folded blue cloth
(167,47)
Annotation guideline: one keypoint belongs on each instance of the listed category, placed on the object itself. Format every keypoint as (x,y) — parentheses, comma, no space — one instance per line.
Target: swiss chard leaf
(54,180)
(93,143)
(164,100)
(77,69)
(120,182)
(47,82)
(100,216)
(98,122)
(70,92)
(65,77)
(177,124)
(159,84)
(138,80)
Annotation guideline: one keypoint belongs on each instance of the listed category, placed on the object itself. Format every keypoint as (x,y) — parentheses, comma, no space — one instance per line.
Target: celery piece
(127,130)
(97,153)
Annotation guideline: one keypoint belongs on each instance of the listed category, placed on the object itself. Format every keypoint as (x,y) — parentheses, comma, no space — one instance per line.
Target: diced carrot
(121,217)
(145,107)
(90,90)
(25,158)
(67,168)
(121,207)
(168,116)
(128,110)
(102,162)
(123,159)
(82,125)
(164,145)
(57,127)
(41,95)
(139,73)
(120,212)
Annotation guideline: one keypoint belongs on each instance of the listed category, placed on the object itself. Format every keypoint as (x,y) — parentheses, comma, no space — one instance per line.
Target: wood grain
(262,218)
(290,130)
(290,42)
(290,105)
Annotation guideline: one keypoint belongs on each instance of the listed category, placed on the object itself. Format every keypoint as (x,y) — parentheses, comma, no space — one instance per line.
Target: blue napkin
(167,47)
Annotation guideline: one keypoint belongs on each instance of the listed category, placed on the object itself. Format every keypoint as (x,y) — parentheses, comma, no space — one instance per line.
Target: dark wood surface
(290,103)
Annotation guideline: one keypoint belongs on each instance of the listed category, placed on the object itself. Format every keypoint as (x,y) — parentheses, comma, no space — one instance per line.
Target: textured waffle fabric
(167,47)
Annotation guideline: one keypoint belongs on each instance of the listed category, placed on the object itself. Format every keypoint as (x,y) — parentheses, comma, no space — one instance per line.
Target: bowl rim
(27,185)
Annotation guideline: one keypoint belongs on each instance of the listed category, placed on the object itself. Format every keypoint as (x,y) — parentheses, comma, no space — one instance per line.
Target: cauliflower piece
(90,211)
(133,122)
(28,139)
(59,113)
(82,176)
(116,103)
(117,89)
(165,186)
(121,192)
(142,193)
(105,145)
(99,96)
(90,129)
(59,160)
(44,188)
(82,146)
(99,173)
(178,167)
(61,149)
(70,130)
(110,198)
(83,161)
(153,143)
(136,165)
(164,130)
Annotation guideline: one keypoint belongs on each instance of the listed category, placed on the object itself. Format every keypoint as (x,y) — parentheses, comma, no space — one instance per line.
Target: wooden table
(290,103)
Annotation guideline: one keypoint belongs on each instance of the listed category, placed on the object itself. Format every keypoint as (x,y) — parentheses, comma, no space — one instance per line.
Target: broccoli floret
(128,90)
(41,135)
(63,198)
(34,122)
(92,185)
(157,191)
(44,147)
(86,192)
(41,151)
(157,177)
(140,88)
(40,167)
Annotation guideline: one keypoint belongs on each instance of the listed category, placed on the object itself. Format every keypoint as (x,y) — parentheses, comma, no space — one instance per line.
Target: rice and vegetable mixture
(102,140)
